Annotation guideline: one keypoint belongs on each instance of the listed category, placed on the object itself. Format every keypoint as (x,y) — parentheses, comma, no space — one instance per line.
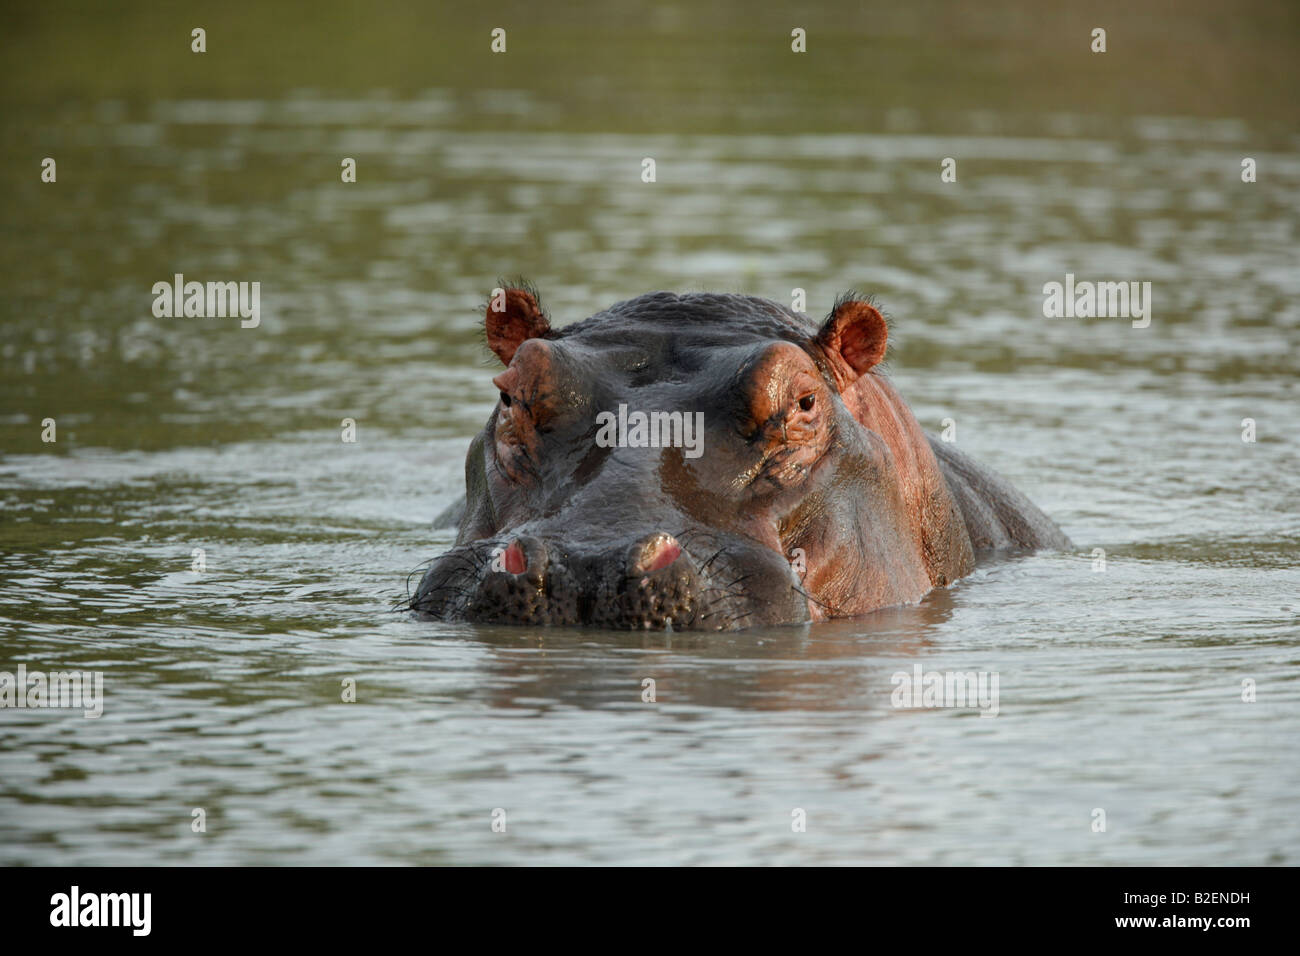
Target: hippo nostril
(514,560)
(658,553)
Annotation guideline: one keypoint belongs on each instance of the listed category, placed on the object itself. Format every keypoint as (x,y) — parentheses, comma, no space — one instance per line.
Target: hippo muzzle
(654,582)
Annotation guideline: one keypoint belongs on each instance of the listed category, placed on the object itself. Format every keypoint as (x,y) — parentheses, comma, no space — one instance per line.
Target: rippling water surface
(1119,690)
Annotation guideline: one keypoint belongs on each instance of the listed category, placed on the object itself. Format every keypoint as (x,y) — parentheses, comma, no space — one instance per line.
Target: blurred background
(775,170)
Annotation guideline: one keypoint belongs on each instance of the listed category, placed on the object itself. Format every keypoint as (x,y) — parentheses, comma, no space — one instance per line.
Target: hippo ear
(854,337)
(513,316)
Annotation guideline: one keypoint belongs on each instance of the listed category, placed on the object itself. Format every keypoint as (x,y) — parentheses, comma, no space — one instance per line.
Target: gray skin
(817,494)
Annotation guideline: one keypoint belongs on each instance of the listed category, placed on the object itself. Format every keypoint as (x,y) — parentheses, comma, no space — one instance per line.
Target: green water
(1120,690)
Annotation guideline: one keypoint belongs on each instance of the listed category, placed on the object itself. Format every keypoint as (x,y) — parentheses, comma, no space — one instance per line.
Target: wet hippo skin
(776,476)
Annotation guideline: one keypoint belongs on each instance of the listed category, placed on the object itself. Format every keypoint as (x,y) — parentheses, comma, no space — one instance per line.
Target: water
(1119,690)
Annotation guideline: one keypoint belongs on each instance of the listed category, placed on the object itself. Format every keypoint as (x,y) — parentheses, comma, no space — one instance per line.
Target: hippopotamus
(708,461)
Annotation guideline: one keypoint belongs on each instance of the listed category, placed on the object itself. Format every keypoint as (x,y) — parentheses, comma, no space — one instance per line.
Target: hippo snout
(651,582)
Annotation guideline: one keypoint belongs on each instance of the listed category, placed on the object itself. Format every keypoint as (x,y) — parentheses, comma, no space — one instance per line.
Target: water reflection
(831,666)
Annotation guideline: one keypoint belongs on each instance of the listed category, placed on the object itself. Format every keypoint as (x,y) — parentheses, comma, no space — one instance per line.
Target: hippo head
(683,461)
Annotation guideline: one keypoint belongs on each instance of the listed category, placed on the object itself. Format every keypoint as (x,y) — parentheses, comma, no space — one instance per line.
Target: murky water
(1120,690)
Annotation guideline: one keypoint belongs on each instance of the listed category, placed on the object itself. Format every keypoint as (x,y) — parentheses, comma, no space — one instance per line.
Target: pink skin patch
(659,553)
(514,559)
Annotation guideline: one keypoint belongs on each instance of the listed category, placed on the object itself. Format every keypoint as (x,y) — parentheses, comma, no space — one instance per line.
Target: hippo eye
(505,399)
(807,402)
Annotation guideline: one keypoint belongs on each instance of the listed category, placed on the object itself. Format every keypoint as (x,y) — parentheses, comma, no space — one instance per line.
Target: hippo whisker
(450,583)
(704,568)
(813,599)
